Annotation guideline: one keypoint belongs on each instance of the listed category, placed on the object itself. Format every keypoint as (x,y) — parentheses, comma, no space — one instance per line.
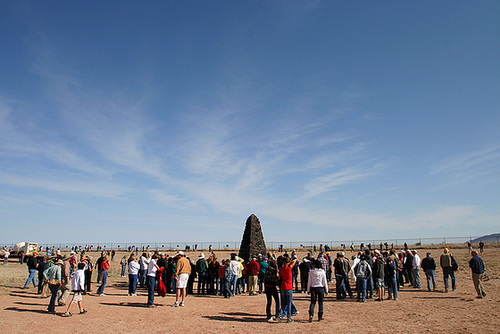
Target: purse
(54,282)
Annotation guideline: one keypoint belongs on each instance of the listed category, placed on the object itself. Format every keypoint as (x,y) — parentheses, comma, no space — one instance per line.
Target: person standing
(481,246)
(304,268)
(253,275)
(286,288)
(446,262)
(416,270)
(104,275)
(6,255)
(201,269)
(363,271)
(476,265)
(133,273)
(182,271)
(317,286)
(391,278)
(123,263)
(234,264)
(429,267)
(143,261)
(378,275)
(32,264)
(89,268)
(262,272)
(271,283)
(151,280)
(340,275)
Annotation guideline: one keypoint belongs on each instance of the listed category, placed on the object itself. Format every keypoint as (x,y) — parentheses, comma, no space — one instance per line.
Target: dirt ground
(416,311)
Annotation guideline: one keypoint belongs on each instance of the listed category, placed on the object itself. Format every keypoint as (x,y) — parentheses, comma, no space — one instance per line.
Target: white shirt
(235,267)
(317,279)
(144,262)
(416,261)
(152,268)
(78,281)
(133,267)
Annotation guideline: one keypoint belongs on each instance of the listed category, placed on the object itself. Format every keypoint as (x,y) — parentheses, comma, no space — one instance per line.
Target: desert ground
(416,311)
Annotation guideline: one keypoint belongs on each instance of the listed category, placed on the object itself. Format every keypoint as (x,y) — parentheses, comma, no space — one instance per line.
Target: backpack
(454,263)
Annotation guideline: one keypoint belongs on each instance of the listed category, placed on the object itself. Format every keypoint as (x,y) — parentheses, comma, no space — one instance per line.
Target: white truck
(26,247)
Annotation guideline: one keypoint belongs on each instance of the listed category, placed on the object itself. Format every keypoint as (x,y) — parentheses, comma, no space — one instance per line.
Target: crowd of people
(377,274)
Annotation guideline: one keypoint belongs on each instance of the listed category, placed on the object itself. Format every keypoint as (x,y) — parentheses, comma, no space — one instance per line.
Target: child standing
(78,286)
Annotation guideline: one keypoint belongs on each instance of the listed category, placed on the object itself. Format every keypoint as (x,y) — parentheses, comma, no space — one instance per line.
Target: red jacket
(253,268)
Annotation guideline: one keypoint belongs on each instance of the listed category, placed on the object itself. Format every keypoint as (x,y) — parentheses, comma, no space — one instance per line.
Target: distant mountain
(488,238)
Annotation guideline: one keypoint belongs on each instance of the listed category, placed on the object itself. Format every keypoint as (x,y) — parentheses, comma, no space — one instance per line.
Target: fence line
(204,246)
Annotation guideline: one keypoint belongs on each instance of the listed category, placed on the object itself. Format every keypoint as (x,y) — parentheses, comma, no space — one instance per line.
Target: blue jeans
(361,288)
(347,285)
(448,271)
(54,289)
(132,283)
(317,294)
(430,274)
(295,281)
(286,303)
(173,285)
(392,287)
(340,287)
(202,282)
(124,266)
(103,284)
(369,286)
(234,283)
(151,282)
(31,277)
(227,289)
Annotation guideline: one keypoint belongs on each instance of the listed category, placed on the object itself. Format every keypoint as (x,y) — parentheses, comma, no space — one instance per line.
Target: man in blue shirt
(476,265)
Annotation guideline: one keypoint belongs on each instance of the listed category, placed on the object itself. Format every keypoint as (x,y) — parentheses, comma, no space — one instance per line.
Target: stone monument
(252,243)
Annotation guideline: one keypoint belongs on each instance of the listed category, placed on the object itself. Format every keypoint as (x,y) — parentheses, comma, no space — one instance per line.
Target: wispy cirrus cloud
(480,165)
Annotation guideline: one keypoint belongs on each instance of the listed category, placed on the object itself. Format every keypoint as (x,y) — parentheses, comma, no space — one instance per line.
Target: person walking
(41,268)
(429,267)
(317,287)
(32,264)
(78,287)
(53,277)
(446,262)
(476,265)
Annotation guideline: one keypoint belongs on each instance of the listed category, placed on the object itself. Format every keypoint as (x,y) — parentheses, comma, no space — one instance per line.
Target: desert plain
(416,311)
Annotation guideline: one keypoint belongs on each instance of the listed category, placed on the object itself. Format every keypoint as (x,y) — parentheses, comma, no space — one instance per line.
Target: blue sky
(125,121)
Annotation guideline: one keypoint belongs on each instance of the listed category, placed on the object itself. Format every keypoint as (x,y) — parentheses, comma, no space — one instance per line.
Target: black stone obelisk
(252,243)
